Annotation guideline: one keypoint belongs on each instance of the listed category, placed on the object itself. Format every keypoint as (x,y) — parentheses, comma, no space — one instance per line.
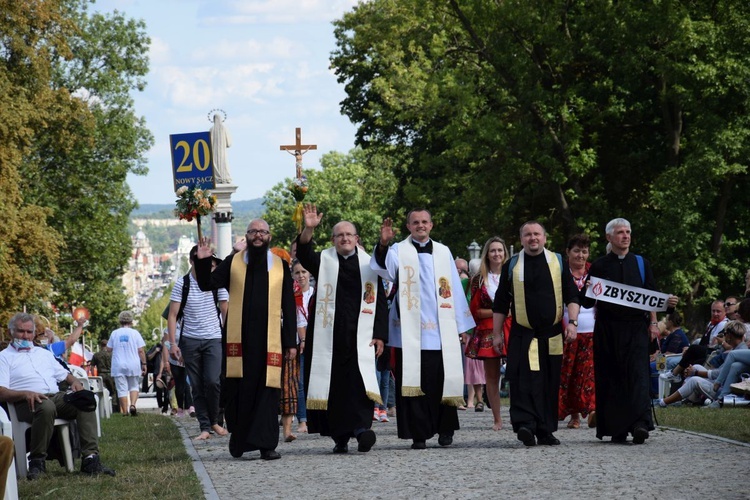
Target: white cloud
(199,86)
(159,52)
(226,50)
(238,12)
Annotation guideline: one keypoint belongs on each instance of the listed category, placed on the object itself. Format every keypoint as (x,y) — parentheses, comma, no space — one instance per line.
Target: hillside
(164,238)
(164,211)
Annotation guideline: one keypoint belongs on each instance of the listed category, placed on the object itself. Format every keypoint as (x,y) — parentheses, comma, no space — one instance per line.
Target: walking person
(199,345)
(128,362)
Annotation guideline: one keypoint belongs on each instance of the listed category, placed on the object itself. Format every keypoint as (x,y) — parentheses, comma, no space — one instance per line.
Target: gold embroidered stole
(274,355)
(325,311)
(519,301)
(411,322)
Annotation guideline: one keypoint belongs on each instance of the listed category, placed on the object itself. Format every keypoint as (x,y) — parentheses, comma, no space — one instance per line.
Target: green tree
(33,34)
(78,166)
(569,112)
(345,189)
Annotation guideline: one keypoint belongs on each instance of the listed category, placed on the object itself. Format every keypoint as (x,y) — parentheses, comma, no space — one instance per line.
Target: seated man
(28,378)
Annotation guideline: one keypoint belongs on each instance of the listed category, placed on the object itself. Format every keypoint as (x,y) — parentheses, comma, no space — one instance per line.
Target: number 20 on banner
(192,161)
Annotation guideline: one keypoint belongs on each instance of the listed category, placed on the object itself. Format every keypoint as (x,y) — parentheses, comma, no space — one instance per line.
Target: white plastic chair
(11,485)
(62,427)
(87,385)
(77,371)
(98,387)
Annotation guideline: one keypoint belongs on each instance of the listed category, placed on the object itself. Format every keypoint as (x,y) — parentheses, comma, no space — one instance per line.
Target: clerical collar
(423,247)
(353,252)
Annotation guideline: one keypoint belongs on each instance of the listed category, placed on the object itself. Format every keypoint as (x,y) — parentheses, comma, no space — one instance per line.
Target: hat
(84,400)
(125,317)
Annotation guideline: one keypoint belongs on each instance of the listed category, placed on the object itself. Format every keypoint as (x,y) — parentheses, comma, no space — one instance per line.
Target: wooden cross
(299,149)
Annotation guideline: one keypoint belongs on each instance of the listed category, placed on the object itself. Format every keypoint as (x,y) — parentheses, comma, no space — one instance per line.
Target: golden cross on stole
(299,149)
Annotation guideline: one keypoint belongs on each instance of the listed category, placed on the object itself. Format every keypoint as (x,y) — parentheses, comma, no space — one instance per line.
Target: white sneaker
(670,377)
(383,416)
(662,404)
(375,415)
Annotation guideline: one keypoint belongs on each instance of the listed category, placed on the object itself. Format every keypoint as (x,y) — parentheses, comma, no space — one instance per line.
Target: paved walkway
(481,463)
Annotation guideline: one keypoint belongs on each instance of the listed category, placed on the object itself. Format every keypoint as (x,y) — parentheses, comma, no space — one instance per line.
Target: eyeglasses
(262,232)
(344,235)
(730,304)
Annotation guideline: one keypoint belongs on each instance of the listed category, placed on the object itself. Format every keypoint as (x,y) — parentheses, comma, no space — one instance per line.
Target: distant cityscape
(160,243)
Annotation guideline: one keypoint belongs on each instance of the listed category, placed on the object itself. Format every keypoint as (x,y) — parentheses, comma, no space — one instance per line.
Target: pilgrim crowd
(346,336)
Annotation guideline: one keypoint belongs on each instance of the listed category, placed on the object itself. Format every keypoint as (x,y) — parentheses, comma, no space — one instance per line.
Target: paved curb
(209,491)
(708,436)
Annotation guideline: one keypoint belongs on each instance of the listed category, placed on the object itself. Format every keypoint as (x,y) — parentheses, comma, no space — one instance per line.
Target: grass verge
(732,423)
(148,455)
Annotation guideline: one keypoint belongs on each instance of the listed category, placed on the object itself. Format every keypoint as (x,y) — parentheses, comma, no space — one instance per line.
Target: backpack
(183,300)
(638,258)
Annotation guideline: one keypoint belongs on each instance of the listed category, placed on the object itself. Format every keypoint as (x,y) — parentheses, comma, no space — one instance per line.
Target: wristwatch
(573,322)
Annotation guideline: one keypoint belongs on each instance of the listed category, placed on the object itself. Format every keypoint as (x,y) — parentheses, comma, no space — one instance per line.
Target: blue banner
(192,161)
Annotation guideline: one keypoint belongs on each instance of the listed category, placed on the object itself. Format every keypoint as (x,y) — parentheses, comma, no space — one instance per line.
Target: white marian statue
(220,141)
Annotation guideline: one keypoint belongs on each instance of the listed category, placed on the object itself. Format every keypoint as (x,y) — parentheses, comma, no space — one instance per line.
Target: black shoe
(37,467)
(445,439)
(621,439)
(133,411)
(419,445)
(526,436)
(640,435)
(548,440)
(93,466)
(341,448)
(366,440)
(234,447)
(269,455)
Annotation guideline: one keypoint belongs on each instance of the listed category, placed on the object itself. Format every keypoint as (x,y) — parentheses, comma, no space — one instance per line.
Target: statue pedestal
(222,231)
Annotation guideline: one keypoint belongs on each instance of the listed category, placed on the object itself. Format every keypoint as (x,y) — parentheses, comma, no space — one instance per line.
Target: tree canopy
(70,138)
(568,112)
(356,187)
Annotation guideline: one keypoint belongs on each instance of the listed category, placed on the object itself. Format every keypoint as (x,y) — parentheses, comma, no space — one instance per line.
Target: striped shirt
(199,318)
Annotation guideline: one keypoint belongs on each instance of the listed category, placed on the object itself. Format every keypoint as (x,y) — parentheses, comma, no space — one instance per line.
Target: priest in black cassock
(621,343)
(261,327)
(346,331)
(537,283)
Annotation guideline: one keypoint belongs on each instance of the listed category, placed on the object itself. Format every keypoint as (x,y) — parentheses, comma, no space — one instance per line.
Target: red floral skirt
(577,377)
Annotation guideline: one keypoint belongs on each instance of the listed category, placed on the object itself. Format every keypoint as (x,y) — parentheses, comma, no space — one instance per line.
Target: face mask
(22,345)
(43,342)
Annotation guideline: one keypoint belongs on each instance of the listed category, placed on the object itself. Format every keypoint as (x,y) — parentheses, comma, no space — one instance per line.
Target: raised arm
(312,220)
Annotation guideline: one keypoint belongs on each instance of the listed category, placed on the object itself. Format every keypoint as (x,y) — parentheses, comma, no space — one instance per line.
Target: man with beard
(348,316)
(260,329)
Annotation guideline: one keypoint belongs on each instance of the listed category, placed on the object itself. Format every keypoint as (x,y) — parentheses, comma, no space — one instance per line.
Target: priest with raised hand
(261,327)
(346,331)
(424,327)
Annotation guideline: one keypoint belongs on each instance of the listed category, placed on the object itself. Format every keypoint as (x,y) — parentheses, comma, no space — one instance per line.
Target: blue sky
(264,62)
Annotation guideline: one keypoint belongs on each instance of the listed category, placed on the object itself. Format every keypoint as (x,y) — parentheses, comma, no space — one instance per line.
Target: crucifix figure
(299,149)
